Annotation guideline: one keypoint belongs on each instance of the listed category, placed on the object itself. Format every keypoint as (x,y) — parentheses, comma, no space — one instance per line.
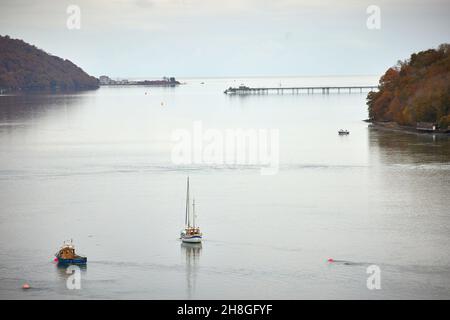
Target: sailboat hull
(192,239)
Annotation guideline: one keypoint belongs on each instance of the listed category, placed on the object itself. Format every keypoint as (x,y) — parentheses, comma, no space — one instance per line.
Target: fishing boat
(191,232)
(343,132)
(66,254)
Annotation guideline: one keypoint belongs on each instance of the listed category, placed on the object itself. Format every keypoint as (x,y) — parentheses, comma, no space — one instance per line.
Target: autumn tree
(417,89)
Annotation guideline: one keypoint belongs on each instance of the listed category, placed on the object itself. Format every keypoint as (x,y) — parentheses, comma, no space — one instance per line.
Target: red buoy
(26,286)
(330,260)
(55,260)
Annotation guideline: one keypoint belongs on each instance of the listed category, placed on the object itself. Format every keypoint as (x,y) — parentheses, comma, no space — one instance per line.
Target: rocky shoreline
(393,126)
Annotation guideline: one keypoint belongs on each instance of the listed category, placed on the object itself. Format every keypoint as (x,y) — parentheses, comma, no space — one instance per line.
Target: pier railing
(297,90)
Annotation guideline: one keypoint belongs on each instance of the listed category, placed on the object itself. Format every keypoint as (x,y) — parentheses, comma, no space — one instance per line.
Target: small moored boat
(66,254)
(343,132)
(191,233)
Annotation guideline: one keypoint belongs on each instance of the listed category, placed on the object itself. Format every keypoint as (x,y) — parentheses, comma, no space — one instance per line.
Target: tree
(414,90)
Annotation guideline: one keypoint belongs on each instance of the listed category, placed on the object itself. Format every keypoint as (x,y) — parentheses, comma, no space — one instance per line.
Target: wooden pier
(297,90)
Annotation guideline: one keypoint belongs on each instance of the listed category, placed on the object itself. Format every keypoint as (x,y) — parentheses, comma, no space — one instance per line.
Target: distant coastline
(164,82)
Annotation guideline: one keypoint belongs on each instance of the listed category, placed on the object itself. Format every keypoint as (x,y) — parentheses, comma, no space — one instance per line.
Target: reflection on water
(61,270)
(100,164)
(28,107)
(395,147)
(191,252)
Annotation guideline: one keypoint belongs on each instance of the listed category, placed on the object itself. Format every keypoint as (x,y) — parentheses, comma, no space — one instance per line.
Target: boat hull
(81,260)
(193,239)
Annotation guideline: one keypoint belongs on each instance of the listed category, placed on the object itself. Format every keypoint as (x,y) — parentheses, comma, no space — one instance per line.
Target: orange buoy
(26,286)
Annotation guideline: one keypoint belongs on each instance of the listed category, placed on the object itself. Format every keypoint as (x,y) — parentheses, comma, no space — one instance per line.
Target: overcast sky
(138,38)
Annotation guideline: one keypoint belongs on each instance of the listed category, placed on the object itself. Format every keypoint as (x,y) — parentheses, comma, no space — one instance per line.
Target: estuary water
(98,167)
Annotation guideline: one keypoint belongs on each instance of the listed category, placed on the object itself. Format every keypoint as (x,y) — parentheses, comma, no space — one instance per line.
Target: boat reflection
(63,271)
(191,252)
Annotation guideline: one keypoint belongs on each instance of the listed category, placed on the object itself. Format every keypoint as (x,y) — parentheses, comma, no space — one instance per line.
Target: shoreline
(18,92)
(393,126)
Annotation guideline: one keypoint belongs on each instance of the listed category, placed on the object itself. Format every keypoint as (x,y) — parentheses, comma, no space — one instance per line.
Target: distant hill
(23,67)
(415,90)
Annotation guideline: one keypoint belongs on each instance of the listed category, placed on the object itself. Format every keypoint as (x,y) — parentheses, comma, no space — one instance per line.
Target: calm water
(96,167)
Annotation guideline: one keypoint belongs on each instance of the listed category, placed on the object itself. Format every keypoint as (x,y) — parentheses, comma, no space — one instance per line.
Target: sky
(217,38)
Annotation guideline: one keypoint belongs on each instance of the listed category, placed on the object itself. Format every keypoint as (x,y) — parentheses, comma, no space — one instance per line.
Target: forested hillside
(24,67)
(415,90)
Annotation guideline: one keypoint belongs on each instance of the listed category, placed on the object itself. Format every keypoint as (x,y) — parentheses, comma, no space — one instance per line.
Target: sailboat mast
(187,219)
(193,212)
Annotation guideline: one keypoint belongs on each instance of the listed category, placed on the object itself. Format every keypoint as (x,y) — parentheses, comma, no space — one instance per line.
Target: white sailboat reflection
(191,252)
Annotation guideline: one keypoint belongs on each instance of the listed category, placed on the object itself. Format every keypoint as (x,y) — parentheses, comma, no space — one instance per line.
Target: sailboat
(191,232)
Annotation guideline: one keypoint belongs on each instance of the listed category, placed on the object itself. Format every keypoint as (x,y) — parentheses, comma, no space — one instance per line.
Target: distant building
(170,82)
(105,80)
(426,126)
(123,82)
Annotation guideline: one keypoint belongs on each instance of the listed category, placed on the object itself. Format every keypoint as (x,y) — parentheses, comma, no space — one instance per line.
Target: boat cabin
(192,230)
(67,252)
